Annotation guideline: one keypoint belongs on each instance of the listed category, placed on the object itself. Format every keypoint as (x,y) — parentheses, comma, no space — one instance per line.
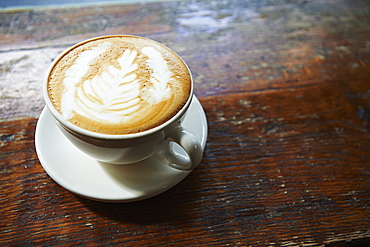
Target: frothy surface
(119,85)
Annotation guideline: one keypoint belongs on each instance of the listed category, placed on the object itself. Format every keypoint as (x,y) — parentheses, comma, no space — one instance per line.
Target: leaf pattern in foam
(74,75)
(160,77)
(112,96)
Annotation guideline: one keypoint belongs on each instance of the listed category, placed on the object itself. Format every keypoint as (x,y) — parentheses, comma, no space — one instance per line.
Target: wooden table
(286,89)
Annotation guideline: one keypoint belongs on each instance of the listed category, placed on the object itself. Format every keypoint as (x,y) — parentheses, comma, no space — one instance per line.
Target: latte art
(160,78)
(119,85)
(112,96)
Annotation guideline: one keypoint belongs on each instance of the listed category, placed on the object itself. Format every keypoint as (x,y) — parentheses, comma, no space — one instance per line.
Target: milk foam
(73,77)
(114,95)
(133,89)
(111,96)
(160,79)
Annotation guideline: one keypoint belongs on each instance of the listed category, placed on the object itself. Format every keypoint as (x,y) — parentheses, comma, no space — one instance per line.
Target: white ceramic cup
(131,148)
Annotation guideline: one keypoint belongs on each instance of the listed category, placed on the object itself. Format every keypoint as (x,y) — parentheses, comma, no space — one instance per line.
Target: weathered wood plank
(291,176)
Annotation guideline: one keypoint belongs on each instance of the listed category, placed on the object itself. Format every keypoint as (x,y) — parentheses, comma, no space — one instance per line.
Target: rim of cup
(89,133)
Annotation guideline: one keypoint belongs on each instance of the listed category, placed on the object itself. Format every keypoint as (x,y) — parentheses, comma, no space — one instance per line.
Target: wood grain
(286,90)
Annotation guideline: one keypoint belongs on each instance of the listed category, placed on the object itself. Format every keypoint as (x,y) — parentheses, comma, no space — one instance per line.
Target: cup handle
(189,144)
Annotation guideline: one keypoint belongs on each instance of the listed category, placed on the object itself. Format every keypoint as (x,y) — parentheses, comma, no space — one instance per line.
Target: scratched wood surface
(286,90)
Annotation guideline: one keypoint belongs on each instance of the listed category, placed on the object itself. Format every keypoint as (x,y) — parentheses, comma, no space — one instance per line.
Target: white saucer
(88,178)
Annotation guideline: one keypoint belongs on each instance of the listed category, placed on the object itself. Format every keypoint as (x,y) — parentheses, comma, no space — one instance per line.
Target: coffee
(119,84)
